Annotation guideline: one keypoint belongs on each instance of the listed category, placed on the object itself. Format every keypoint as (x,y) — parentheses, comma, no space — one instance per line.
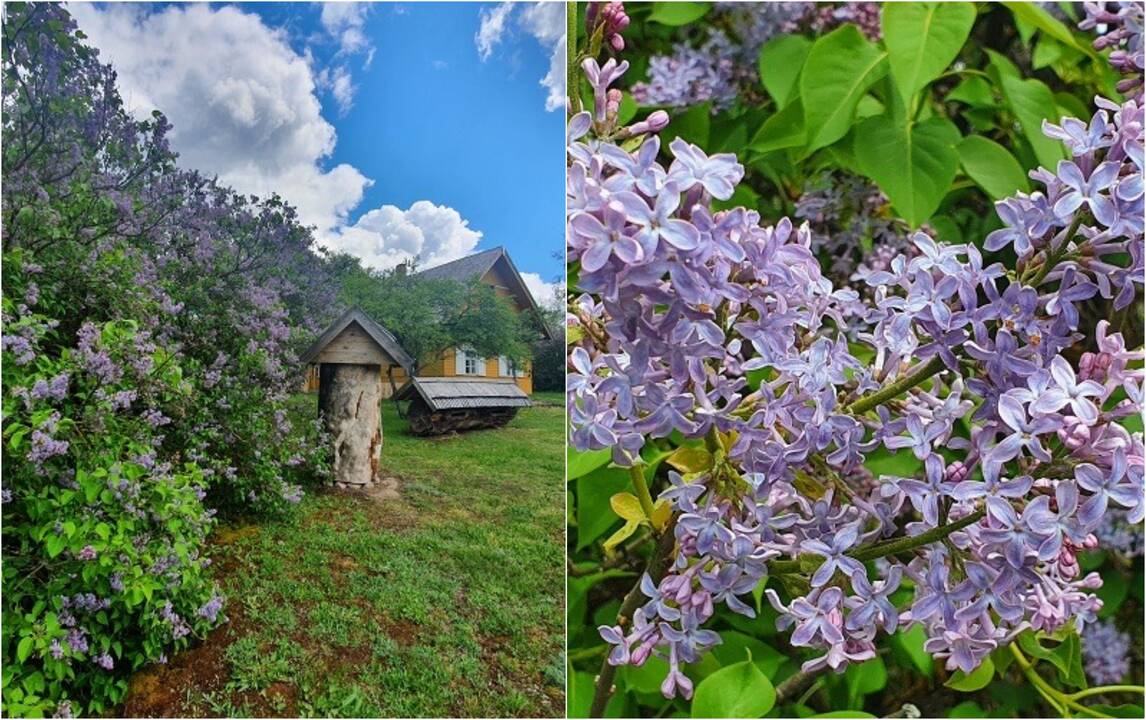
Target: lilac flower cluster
(1105,653)
(724,63)
(850,224)
(1091,209)
(1115,534)
(709,325)
(1120,27)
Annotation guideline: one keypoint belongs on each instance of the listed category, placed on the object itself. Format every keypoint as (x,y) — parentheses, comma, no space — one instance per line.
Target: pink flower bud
(657,120)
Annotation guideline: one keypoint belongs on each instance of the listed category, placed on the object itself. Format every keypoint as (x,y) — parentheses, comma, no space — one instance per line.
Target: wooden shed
(353,356)
(439,405)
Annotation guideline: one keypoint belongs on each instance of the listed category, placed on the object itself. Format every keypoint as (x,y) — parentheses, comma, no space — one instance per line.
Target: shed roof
(451,393)
(376,332)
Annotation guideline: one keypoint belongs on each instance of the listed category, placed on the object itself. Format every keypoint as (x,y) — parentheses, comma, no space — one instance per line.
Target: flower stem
(1103,689)
(914,377)
(637,473)
(1058,700)
(893,547)
(571,85)
(658,564)
(1056,254)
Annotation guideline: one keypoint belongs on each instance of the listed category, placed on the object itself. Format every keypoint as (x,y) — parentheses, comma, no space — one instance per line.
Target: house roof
(466,268)
(472,267)
(451,393)
(376,332)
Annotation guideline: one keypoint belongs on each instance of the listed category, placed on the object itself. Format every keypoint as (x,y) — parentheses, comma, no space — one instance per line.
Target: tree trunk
(350,400)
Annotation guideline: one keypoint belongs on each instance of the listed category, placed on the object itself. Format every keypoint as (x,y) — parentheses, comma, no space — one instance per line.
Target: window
(469,363)
(506,367)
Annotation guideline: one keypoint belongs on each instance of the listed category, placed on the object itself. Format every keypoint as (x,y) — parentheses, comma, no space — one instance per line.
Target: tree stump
(350,400)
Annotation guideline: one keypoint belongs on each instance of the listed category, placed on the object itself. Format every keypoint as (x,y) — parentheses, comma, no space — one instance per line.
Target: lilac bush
(151,321)
(707,331)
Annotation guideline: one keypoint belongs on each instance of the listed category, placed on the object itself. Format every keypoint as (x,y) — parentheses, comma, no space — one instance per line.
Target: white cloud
(493,26)
(440,65)
(244,106)
(341,86)
(387,236)
(242,102)
(345,21)
(545,293)
(545,22)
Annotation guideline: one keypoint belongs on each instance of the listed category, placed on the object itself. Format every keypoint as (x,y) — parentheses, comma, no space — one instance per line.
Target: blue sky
(395,128)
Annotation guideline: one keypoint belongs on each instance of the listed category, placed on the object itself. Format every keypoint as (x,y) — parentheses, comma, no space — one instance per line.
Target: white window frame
(462,360)
(506,367)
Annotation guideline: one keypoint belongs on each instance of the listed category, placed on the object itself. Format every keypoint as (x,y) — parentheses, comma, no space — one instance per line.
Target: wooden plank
(354,346)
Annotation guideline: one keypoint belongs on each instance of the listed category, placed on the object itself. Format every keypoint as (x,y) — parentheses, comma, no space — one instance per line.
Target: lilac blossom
(737,338)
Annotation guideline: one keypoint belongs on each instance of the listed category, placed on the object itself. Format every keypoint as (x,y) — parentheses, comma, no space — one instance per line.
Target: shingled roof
(379,334)
(450,393)
(466,268)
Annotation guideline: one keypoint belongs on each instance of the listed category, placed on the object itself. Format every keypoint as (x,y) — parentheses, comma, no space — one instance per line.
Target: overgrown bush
(152,318)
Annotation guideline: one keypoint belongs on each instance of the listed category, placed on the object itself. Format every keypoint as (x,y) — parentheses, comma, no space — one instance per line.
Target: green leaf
(594,516)
(1032,102)
(580,694)
(646,678)
(865,678)
(24,649)
(780,62)
(1047,52)
(841,66)
(967,709)
(911,643)
(974,91)
(1066,656)
(736,647)
(583,463)
(991,167)
(844,714)
(913,163)
(678,13)
(1113,591)
(620,536)
(692,125)
(1035,15)
(922,39)
(736,691)
(977,680)
(783,130)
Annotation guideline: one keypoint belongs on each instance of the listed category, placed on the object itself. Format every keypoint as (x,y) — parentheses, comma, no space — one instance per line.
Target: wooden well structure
(352,356)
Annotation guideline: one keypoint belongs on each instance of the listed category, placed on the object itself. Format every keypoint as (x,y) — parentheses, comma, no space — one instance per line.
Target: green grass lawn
(446,601)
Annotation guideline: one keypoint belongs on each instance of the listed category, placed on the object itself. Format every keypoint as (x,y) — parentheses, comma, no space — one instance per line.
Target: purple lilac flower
(738,333)
(1105,653)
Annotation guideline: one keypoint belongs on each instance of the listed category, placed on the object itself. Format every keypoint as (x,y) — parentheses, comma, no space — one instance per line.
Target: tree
(430,315)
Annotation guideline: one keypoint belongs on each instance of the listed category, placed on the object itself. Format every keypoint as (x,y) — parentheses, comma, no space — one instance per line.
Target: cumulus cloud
(492,28)
(389,235)
(242,102)
(338,82)
(244,107)
(345,21)
(547,294)
(545,22)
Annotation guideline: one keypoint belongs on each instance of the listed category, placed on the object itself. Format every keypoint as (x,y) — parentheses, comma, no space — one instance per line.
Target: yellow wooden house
(494,268)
